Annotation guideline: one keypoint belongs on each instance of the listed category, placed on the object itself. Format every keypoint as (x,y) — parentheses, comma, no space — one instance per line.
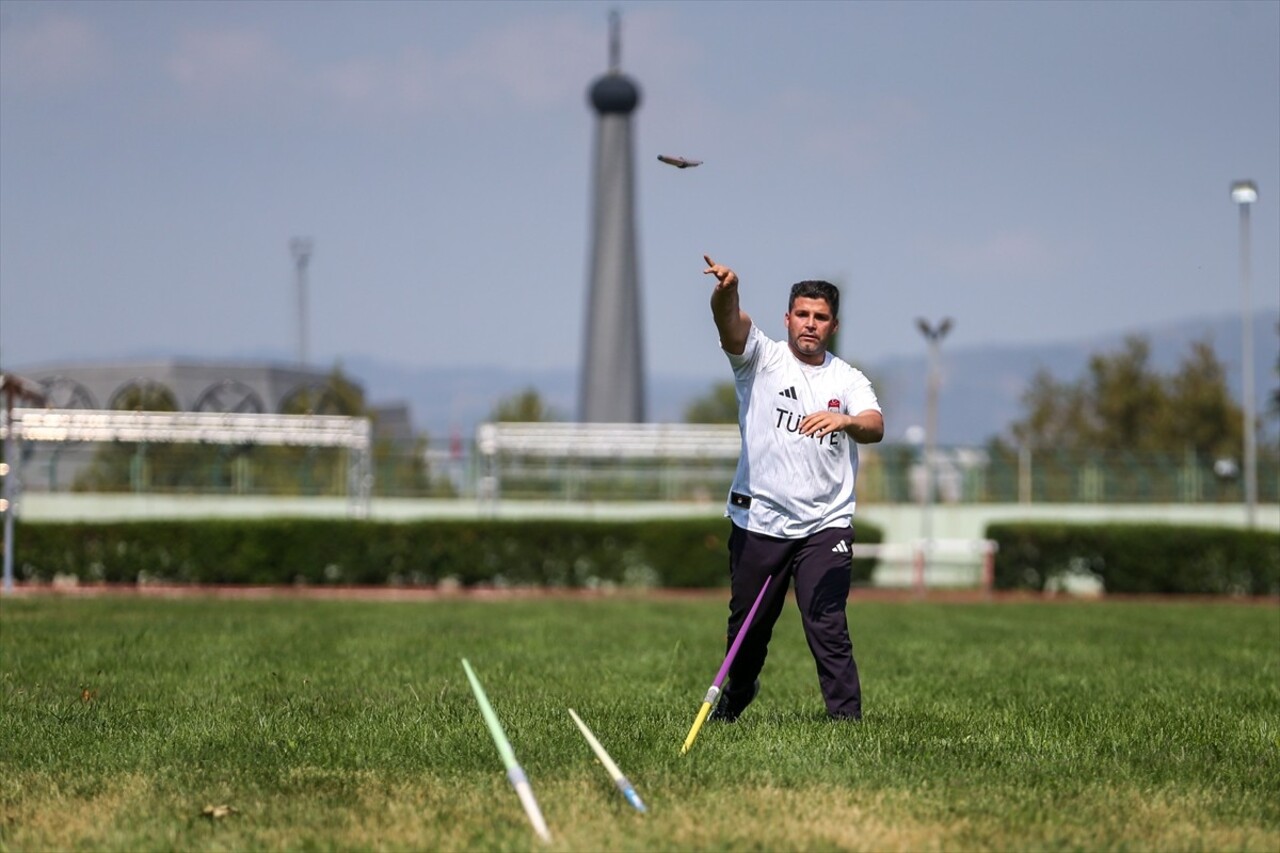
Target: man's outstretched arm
(731,321)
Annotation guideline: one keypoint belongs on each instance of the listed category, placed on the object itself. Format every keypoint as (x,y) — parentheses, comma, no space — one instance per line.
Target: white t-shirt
(789,485)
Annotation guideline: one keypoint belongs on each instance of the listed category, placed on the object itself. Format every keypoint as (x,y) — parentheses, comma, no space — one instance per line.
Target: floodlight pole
(12,389)
(933,335)
(1245,193)
(8,503)
(300,248)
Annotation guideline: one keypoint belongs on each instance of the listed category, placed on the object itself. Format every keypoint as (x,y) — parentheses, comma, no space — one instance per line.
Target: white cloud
(412,83)
(532,63)
(230,63)
(847,137)
(1002,255)
(58,52)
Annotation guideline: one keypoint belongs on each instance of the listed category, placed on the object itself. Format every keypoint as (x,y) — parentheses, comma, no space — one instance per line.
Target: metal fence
(895,474)
(888,474)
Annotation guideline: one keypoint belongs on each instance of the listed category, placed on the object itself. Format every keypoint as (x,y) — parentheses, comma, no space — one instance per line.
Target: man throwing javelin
(802,411)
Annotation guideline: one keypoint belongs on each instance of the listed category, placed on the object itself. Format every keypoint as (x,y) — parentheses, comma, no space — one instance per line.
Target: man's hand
(823,423)
(731,321)
(865,427)
(726,278)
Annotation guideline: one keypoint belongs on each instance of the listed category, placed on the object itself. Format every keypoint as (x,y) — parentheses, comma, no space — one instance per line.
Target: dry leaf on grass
(217,812)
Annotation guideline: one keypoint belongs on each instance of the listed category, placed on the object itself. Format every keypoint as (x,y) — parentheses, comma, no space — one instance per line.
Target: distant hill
(980,397)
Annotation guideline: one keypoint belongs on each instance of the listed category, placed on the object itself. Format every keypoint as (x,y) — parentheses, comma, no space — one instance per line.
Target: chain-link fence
(896,474)
(888,474)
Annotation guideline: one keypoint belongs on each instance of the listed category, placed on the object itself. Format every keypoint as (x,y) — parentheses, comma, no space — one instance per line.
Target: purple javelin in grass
(714,692)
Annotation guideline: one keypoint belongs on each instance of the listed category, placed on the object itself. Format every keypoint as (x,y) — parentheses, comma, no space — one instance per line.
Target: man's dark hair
(816,290)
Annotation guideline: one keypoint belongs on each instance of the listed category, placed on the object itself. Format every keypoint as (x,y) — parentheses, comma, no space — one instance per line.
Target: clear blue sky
(1036,170)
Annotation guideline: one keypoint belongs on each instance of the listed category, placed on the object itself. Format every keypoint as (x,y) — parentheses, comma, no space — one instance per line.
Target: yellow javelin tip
(697,724)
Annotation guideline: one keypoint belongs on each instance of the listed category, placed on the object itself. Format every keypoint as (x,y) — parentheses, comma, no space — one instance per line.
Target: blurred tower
(612,378)
(300,248)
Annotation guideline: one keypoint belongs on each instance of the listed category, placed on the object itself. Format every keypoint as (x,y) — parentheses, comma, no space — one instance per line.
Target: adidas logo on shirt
(841,548)
(789,392)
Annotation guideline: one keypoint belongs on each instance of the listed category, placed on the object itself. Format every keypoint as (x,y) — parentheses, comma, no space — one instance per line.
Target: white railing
(605,441)
(20,425)
(62,425)
(578,455)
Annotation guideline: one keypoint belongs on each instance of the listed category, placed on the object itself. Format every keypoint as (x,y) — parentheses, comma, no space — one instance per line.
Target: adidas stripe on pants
(820,567)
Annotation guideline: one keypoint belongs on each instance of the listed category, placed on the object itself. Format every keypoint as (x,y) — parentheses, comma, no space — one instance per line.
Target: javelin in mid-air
(678,162)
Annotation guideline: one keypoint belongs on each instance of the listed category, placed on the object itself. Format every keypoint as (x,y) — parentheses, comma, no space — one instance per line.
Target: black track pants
(820,566)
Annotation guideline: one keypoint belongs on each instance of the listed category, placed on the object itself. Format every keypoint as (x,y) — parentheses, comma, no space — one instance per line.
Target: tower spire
(615,42)
(612,379)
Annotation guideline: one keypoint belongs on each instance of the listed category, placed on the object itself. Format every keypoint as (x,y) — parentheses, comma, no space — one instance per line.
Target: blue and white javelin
(624,785)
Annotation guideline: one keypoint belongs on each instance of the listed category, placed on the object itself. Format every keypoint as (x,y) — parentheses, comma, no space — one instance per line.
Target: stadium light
(933,335)
(1245,193)
(301,249)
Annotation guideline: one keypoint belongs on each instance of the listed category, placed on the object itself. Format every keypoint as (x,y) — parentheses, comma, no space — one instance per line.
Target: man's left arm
(866,427)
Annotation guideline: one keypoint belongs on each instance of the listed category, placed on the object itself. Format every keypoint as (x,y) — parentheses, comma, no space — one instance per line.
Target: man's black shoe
(845,717)
(730,708)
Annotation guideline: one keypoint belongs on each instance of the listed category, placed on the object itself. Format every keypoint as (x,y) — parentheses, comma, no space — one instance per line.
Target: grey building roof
(194,385)
(204,386)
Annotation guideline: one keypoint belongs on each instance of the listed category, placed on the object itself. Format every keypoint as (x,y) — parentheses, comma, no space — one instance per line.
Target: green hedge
(1138,558)
(668,553)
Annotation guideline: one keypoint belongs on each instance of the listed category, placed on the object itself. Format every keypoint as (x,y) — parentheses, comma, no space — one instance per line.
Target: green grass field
(350,725)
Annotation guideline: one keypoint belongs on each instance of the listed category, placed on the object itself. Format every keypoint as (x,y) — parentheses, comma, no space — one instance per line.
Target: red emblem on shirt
(833,405)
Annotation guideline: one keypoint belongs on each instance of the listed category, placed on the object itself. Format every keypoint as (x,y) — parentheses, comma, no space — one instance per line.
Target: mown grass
(350,725)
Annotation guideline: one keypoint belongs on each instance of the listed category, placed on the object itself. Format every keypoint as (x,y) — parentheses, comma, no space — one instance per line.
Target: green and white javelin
(515,774)
(624,785)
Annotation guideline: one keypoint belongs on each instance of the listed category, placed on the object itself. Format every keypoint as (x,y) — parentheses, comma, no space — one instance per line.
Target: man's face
(809,327)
